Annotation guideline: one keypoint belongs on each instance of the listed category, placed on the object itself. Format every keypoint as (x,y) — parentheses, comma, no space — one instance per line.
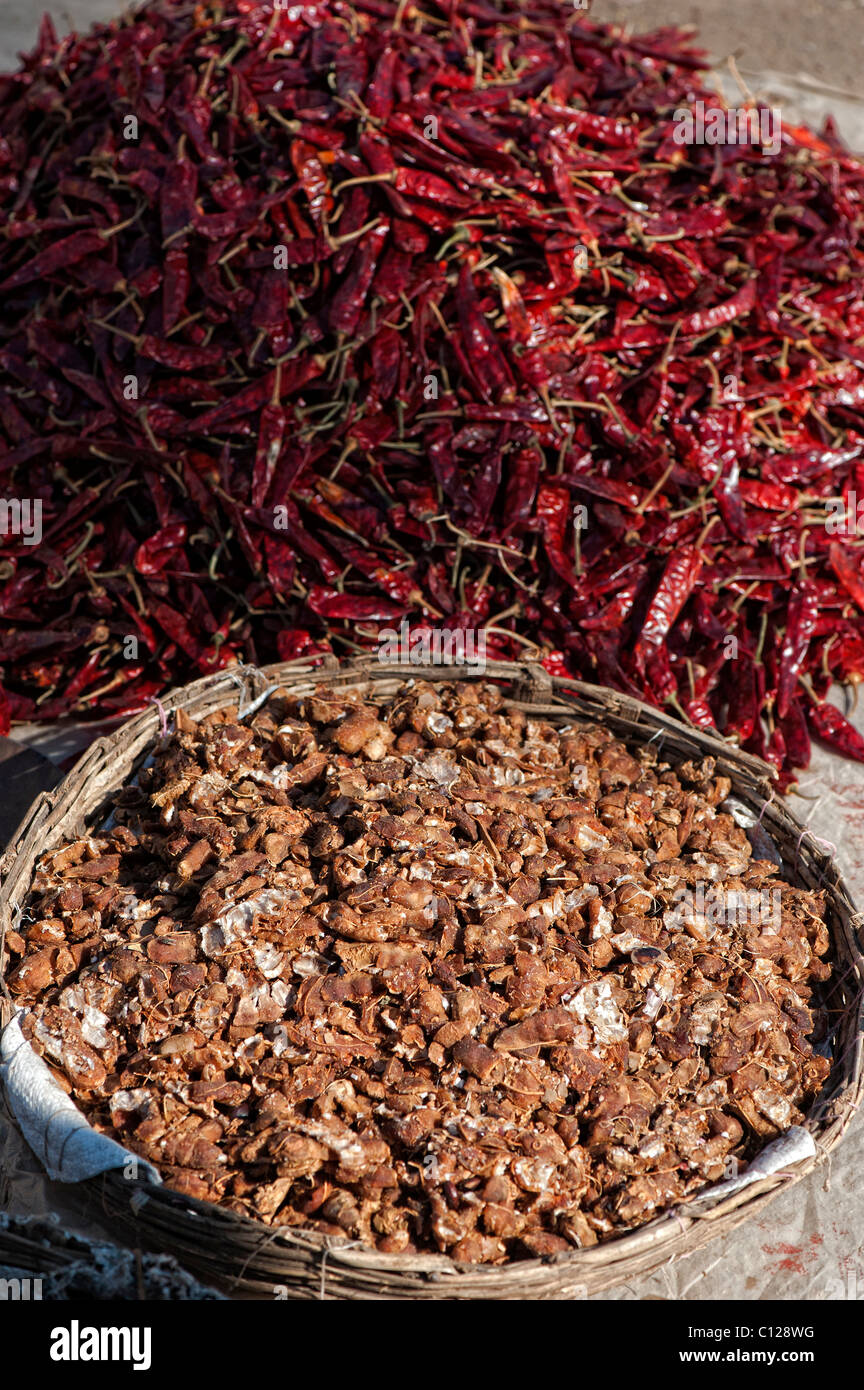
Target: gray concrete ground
(19,21)
(821,38)
(802,55)
(806,56)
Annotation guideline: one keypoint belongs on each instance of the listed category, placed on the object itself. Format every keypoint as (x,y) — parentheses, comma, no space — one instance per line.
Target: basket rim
(674,1232)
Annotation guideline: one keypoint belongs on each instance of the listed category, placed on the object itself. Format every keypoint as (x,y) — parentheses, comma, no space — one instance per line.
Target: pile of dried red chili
(506,300)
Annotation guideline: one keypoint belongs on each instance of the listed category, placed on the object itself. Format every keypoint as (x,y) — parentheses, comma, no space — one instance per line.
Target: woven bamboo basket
(38,1251)
(244,1257)
(37,1247)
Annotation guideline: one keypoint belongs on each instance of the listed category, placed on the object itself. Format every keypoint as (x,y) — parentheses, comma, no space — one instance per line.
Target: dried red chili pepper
(553,516)
(834,728)
(306,160)
(797,739)
(293,318)
(675,587)
(154,554)
(175,288)
(848,572)
(705,320)
(800,624)
(347,304)
(59,256)
(177,198)
(483,353)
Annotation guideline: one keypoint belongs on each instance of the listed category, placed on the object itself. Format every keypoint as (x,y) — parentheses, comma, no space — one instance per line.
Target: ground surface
(806,57)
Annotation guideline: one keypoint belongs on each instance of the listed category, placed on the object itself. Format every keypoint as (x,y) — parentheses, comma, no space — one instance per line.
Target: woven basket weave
(245,1257)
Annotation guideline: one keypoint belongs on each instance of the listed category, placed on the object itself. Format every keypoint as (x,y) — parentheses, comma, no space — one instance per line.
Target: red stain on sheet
(793,1259)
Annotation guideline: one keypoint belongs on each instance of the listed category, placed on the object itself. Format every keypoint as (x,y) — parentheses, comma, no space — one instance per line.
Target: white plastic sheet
(59,1135)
